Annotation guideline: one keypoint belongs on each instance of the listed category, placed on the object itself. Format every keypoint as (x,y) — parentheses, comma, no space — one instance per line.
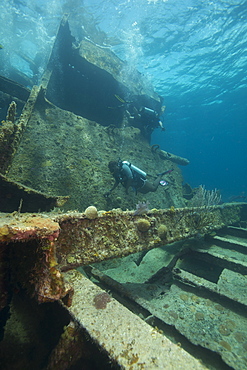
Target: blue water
(193,52)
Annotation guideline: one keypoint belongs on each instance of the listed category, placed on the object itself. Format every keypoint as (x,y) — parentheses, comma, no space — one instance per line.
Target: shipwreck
(86,280)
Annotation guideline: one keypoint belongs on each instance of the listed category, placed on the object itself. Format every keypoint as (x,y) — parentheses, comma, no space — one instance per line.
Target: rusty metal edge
(126,338)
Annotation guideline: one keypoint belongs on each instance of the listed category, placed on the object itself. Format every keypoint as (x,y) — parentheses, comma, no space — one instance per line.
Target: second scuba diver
(130,176)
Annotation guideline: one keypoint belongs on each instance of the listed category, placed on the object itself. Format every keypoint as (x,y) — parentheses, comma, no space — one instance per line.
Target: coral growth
(205,197)
(141,208)
(100,300)
(11,112)
(162,231)
(143,225)
(91,212)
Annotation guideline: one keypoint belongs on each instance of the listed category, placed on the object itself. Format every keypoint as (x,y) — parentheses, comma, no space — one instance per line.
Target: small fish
(1,46)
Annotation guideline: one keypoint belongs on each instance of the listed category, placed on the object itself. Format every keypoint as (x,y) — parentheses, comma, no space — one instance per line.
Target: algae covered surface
(202,296)
(65,154)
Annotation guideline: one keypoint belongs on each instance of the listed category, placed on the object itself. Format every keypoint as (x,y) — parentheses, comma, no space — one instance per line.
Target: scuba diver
(146,119)
(141,116)
(129,175)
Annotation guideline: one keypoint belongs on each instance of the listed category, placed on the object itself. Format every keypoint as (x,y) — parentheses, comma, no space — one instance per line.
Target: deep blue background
(213,138)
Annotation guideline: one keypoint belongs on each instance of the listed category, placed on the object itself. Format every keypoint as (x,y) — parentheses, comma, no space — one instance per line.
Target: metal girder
(127,339)
(116,233)
(47,244)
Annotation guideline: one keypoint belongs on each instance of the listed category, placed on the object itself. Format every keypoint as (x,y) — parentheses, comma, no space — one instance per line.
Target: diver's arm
(106,195)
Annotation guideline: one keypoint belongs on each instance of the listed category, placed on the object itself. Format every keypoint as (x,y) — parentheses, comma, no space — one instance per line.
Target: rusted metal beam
(11,132)
(44,245)
(116,233)
(14,89)
(127,339)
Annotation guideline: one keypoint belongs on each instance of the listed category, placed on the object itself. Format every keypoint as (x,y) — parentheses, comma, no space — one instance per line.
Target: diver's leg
(150,187)
(156,182)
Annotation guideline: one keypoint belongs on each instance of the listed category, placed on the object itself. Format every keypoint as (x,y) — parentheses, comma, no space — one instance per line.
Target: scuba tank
(135,169)
(149,112)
